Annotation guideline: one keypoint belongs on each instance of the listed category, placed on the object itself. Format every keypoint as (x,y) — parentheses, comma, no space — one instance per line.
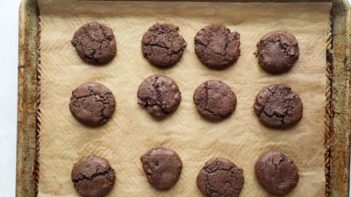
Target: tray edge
(28,94)
(338,107)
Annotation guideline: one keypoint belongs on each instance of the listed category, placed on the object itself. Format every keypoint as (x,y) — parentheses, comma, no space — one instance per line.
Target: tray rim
(338,105)
(27,166)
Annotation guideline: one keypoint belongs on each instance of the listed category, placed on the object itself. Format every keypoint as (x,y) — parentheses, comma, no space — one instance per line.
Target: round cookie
(159,95)
(216,46)
(95,43)
(278,106)
(92,104)
(162,45)
(93,176)
(162,167)
(220,177)
(276,173)
(277,52)
(214,100)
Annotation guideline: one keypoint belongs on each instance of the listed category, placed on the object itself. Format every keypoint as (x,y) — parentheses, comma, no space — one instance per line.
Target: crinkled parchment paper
(132,131)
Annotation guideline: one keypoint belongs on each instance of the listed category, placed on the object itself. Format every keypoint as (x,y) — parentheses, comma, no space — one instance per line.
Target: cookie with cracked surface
(277,52)
(92,176)
(276,173)
(95,43)
(277,106)
(216,46)
(159,95)
(162,45)
(220,177)
(92,104)
(214,100)
(162,167)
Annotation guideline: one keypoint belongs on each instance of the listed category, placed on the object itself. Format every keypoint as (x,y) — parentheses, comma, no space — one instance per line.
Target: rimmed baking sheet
(131,131)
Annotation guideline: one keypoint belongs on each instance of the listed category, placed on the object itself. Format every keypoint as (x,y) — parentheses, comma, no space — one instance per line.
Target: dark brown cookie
(214,100)
(278,106)
(159,95)
(276,173)
(219,177)
(217,47)
(162,167)
(93,176)
(95,43)
(162,45)
(277,52)
(92,104)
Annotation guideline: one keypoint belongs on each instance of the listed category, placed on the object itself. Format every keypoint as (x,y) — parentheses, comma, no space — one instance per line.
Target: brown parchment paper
(132,131)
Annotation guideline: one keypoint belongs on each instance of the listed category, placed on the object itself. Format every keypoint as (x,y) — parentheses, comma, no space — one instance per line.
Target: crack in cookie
(276,173)
(278,106)
(220,177)
(277,52)
(95,43)
(92,104)
(92,176)
(217,47)
(214,100)
(162,45)
(159,95)
(162,167)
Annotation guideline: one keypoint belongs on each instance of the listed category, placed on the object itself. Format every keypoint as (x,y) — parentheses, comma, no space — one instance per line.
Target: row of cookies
(93,176)
(276,106)
(215,46)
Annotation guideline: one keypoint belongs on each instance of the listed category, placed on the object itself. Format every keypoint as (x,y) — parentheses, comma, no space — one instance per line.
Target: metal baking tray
(338,106)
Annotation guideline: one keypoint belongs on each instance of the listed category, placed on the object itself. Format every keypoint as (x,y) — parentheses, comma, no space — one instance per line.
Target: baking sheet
(132,131)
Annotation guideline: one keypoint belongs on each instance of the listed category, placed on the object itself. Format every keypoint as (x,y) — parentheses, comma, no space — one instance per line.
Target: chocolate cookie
(278,106)
(162,167)
(93,176)
(92,104)
(214,100)
(217,47)
(159,95)
(219,177)
(277,52)
(276,173)
(162,45)
(95,43)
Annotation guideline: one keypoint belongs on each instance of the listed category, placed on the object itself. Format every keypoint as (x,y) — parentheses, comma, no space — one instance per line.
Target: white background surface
(8,95)
(9,10)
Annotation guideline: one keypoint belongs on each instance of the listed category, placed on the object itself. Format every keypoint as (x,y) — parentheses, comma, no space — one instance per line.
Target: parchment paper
(132,131)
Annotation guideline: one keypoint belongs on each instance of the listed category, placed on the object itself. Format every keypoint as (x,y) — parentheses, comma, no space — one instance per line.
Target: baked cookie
(162,45)
(95,43)
(216,46)
(159,95)
(214,100)
(220,177)
(277,52)
(276,173)
(92,104)
(162,167)
(93,176)
(278,106)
